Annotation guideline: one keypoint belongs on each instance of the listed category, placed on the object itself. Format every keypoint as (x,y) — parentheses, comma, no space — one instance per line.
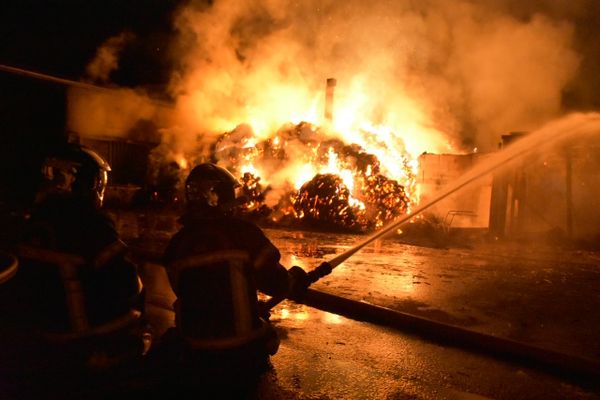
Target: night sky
(60,37)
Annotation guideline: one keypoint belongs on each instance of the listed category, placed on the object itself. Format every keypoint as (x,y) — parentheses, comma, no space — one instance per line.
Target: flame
(181,160)
(249,169)
(271,111)
(302,174)
(411,76)
(333,167)
(306,172)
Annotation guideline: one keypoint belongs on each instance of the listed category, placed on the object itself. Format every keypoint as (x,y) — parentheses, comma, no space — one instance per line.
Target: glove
(299,282)
(324,269)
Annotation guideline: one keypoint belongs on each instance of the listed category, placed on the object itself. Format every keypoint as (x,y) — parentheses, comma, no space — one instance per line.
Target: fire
(326,202)
(412,78)
(353,166)
(181,161)
(304,173)
(344,173)
(304,153)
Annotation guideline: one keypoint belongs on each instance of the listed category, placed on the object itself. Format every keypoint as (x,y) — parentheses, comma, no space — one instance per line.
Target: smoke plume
(107,58)
(443,75)
(414,76)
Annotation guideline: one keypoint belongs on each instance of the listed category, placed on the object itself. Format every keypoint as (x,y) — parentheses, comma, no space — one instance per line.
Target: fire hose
(537,357)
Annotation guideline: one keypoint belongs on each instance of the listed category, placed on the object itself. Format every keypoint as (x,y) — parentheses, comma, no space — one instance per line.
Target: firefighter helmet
(76,172)
(209,187)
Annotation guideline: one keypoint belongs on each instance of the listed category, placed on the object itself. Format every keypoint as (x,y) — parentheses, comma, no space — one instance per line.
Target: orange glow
(264,100)
(181,161)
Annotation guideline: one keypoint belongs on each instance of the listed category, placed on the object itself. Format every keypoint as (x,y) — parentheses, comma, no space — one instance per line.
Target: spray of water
(554,133)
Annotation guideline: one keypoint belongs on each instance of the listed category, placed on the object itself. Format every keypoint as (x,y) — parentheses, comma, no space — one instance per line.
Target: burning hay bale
(254,196)
(233,149)
(342,186)
(386,199)
(324,202)
(351,157)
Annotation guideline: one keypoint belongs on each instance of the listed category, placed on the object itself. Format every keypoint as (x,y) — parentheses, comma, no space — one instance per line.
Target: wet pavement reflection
(543,296)
(324,357)
(538,295)
(327,356)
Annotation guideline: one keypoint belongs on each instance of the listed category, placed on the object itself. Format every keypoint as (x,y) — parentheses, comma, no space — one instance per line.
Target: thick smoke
(107,58)
(444,75)
(107,110)
(109,113)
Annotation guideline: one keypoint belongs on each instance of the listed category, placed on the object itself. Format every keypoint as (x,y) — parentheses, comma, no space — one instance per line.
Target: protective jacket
(75,292)
(215,265)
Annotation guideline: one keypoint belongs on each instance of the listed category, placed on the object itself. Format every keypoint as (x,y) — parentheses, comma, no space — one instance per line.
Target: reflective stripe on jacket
(67,267)
(215,267)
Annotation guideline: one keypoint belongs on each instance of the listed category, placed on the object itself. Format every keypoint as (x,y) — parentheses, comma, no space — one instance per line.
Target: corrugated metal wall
(128,160)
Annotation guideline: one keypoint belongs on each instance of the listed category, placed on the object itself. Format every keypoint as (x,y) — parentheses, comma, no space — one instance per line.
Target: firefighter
(215,264)
(76,302)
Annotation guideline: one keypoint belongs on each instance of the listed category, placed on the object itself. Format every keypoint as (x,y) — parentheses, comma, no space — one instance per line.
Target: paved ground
(543,296)
(327,356)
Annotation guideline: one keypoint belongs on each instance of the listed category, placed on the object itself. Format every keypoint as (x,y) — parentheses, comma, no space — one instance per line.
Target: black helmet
(210,188)
(76,172)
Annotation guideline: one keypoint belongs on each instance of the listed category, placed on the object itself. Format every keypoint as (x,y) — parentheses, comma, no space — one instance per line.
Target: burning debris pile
(301,175)
(324,201)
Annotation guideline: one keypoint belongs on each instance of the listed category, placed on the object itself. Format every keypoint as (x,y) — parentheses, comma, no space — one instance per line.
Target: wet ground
(327,356)
(543,296)
(332,357)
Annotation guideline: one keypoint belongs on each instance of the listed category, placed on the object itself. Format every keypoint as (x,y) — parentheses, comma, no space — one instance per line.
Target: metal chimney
(329,99)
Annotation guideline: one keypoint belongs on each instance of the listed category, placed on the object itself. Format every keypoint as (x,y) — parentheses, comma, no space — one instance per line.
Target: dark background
(59,38)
